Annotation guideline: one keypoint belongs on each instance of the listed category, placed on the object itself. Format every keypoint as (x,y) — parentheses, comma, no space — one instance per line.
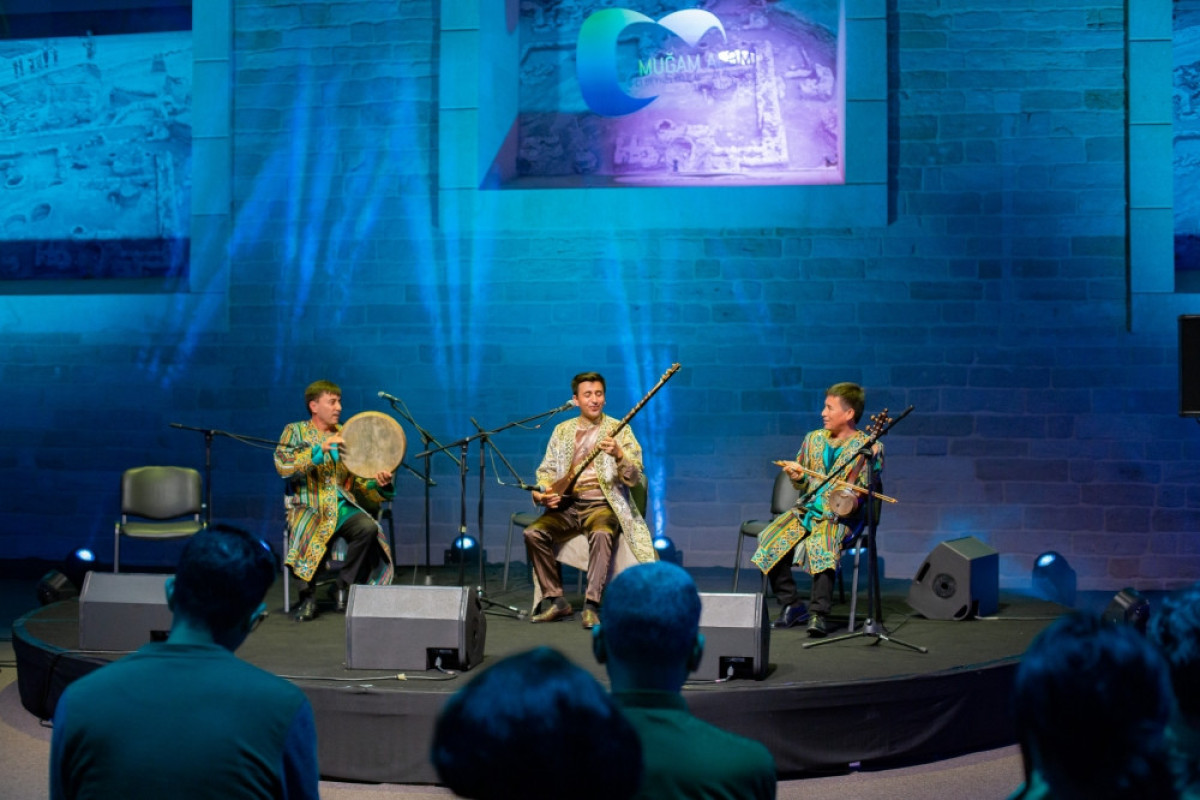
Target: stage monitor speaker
(122,611)
(414,627)
(1189,365)
(960,579)
(736,640)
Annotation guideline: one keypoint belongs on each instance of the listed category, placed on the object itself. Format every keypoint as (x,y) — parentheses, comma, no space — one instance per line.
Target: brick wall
(994,302)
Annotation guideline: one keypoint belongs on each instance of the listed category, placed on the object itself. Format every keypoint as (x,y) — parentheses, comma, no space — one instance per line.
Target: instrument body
(375,443)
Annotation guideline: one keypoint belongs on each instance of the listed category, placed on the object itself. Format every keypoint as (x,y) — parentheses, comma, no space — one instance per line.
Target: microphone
(572,403)
(391,397)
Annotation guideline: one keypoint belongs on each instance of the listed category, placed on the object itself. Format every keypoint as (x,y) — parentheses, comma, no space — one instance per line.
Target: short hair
(1175,630)
(852,395)
(222,576)
(536,702)
(585,377)
(1092,700)
(318,388)
(651,615)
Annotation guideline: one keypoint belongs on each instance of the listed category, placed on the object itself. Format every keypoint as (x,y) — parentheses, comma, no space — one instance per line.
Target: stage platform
(818,710)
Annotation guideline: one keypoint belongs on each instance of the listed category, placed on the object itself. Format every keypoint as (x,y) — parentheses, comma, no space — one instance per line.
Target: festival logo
(596,54)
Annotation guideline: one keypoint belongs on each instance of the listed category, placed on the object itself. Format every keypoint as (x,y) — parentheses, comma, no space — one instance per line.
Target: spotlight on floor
(666,550)
(1128,608)
(55,586)
(464,549)
(1053,578)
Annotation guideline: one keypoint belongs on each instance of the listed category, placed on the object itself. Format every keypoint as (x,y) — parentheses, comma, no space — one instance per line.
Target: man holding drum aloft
(324,499)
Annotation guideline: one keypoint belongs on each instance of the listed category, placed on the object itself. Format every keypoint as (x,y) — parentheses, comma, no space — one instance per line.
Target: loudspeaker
(414,627)
(1189,365)
(960,579)
(735,628)
(120,611)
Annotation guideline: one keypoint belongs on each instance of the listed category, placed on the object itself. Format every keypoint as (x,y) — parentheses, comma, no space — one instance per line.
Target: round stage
(863,700)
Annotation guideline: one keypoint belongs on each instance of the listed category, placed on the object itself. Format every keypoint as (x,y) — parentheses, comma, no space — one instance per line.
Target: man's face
(325,410)
(837,416)
(590,397)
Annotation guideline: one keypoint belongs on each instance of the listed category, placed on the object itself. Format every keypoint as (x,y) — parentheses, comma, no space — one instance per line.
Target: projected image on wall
(667,93)
(95,155)
(1186,122)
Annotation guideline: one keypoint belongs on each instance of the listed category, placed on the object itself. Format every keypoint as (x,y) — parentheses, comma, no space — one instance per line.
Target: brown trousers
(591,518)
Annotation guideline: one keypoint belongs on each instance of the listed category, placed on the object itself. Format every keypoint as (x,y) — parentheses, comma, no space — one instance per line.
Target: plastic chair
(170,497)
(783,497)
(571,556)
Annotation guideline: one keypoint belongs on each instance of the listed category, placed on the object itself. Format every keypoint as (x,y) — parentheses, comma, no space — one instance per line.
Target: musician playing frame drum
(324,499)
(811,537)
(597,506)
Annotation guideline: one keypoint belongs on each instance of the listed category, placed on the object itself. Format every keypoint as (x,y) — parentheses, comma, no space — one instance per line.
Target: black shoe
(816,626)
(307,610)
(791,616)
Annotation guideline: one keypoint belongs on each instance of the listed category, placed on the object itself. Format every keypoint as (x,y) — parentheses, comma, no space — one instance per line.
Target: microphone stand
(427,439)
(873,626)
(209,434)
(465,443)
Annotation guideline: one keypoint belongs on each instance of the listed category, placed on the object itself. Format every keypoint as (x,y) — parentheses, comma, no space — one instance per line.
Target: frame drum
(374,443)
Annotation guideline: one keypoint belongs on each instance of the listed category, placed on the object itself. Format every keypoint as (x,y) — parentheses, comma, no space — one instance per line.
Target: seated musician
(598,506)
(812,536)
(326,500)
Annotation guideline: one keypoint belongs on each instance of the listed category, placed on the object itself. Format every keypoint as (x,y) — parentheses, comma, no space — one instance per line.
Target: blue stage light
(465,542)
(84,554)
(1053,578)
(464,549)
(666,549)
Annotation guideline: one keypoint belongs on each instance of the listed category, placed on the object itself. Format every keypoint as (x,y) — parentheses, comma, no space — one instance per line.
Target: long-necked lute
(566,484)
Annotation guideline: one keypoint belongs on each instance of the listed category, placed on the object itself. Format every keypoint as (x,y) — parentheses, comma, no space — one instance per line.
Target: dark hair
(585,377)
(1092,700)
(318,388)
(1175,630)
(651,615)
(531,726)
(852,395)
(222,576)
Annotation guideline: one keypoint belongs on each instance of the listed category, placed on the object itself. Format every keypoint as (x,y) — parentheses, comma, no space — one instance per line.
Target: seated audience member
(1092,701)
(186,718)
(1175,630)
(649,641)
(536,726)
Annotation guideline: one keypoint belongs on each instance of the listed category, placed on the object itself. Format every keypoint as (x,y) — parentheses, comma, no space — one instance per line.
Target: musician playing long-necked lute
(811,535)
(584,482)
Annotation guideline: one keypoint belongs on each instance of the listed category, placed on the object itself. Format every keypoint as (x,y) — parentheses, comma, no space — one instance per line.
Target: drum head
(375,443)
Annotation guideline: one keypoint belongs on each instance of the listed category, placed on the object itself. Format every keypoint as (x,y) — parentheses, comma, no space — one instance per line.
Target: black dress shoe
(307,610)
(816,626)
(791,616)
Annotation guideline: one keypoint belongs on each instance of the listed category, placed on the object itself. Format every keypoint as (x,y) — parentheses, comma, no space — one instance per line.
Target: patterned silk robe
(816,528)
(312,501)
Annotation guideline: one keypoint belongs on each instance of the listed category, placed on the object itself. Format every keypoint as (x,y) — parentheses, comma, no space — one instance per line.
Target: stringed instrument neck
(566,483)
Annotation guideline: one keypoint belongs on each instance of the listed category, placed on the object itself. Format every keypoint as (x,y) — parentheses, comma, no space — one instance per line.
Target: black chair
(783,497)
(168,500)
(335,553)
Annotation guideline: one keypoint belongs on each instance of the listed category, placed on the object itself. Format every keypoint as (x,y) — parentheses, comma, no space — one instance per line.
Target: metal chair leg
(737,560)
(508,551)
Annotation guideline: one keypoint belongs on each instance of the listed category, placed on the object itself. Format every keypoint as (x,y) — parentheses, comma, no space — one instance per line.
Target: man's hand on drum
(335,441)
(383,478)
